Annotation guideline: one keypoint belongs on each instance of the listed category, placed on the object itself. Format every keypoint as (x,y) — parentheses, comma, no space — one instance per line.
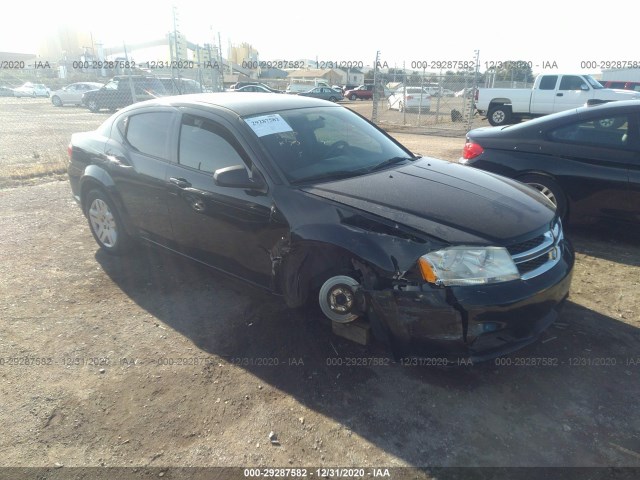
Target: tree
(512,71)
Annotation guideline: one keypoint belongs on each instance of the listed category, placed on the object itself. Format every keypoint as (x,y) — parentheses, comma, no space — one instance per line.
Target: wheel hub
(341,299)
(337,299)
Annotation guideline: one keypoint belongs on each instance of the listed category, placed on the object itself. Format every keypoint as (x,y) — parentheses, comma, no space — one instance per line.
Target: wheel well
(499,102)
(553,179)
(304,268)
(87,186)
(92,184)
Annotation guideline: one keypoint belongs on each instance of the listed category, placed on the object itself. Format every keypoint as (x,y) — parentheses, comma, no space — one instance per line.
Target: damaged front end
(478,320)
(423,292)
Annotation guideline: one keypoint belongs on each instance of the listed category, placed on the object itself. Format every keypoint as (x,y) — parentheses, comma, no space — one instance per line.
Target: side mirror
(584,87)
(237,177)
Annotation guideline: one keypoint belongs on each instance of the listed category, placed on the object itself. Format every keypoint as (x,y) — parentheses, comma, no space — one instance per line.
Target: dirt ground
(153,361)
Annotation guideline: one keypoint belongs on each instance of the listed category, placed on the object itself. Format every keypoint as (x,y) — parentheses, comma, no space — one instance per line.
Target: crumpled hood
(446,200)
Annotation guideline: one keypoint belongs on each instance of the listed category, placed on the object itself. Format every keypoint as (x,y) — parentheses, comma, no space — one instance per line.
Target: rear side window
(548,82)
(149,133)
(608,132)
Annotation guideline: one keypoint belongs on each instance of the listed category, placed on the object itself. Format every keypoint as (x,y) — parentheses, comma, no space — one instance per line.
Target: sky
(552,35)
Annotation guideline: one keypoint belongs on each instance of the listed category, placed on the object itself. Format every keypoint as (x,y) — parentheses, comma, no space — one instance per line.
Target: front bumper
(471,323)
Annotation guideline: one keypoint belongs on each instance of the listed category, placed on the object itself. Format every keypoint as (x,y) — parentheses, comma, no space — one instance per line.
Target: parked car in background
(304,85)
(324,93)
(117,93)
(238,85)
(72,94)
(622,85)
(253,89)
(585,161)
(411,98)
(180,86)
(314,202)
(29,89)
(6,92)
(363,92)
(550,93)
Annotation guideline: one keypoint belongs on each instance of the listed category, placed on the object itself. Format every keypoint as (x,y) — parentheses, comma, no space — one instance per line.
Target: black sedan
(313,202)
(585,161)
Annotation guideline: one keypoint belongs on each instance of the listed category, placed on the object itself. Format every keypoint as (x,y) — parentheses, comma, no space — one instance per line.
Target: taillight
(471,150)
(475,96)
(409,97)
(69,151)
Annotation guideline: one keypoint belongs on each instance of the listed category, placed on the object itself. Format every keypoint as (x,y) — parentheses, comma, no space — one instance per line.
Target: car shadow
(564,400)
(610,241)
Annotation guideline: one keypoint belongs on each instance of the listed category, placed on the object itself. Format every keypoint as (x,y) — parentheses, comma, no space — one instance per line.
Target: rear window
(548,82)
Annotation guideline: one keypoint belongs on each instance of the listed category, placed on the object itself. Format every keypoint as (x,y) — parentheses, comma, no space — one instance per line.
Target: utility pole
(374,110)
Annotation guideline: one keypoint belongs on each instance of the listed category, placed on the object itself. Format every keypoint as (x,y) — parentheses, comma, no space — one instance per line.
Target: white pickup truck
(550,93)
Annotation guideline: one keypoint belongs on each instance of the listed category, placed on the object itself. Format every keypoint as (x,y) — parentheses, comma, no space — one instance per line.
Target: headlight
(460,266)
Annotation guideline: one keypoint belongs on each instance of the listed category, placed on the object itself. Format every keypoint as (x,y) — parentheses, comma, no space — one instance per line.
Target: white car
(415,98)
(72,94)
(31,90)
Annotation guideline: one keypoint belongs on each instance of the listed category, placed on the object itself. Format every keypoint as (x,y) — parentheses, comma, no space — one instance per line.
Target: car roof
(249,103)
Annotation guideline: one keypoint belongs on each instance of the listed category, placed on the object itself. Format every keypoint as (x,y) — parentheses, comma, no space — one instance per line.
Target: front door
(232,229)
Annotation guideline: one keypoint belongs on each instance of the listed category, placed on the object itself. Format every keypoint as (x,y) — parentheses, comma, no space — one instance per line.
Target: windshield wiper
(388,162)
(336,175)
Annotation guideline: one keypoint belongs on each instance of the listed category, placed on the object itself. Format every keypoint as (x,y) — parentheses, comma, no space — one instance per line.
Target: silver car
(29,89)
(72,94)
(324,93)
(411,98)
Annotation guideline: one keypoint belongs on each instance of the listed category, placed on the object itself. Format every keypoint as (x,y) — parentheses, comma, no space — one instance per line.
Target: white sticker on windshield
(268,125)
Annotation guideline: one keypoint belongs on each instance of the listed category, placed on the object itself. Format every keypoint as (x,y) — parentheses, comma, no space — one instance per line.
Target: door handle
(179,182)
(559,94)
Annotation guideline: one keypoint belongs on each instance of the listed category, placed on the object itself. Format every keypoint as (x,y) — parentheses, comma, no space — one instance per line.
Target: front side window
(572,82)
(149,133)
(206,146)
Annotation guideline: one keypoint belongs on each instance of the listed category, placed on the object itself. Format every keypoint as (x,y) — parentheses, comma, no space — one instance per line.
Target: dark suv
(122,91)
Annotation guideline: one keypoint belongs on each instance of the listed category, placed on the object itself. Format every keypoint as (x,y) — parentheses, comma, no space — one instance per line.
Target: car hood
(617,94)
(448,201)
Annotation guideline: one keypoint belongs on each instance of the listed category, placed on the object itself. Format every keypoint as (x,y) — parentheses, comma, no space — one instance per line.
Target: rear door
(544,96)
(141,146)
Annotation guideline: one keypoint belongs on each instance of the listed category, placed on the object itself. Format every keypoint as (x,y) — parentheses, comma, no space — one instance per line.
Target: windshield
(593,82)
(324,143)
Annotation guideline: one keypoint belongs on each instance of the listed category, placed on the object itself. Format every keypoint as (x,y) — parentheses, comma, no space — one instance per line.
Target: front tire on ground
(106,224)
(56,101)
(353,96)
(499,115)
(550,189)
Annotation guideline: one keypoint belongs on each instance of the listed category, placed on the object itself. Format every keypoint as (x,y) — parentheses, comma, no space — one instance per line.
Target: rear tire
(499,115)
(550,189)
(106,224)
